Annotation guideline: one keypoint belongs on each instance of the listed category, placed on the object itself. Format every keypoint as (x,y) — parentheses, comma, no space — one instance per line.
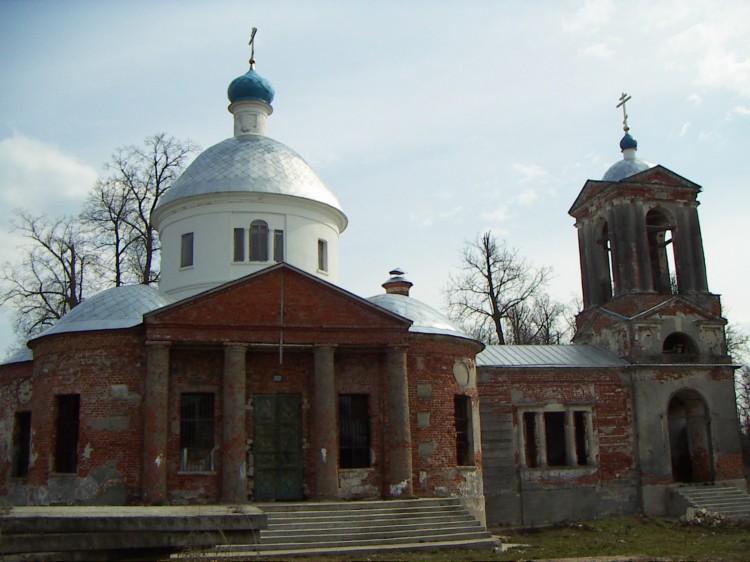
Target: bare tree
(53,275)
(120,206)
(106,211)
(495,292)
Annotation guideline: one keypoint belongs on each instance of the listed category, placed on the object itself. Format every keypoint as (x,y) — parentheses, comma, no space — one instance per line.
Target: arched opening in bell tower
(605,269)
(661,251)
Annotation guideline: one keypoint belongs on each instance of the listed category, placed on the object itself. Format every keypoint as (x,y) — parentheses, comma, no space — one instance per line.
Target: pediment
(657,175)
(257,307)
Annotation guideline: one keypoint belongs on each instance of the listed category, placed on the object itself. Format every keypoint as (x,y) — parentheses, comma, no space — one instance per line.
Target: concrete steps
(725,500)
(358,527)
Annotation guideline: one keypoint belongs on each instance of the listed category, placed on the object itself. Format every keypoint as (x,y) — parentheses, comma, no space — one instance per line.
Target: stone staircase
(724,500)
(354,528)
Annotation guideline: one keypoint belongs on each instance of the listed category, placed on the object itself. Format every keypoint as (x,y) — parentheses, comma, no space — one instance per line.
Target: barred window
(66,438)
(354,431)
(464,445)
(21,444)
(196,432)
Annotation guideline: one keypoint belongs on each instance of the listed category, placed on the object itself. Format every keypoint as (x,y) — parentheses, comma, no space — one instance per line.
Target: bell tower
(643,272)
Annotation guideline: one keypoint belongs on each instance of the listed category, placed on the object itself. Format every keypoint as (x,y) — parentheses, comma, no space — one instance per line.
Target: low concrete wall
(79,529)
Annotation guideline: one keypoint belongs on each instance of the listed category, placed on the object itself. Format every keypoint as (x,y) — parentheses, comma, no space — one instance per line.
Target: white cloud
(532,173)
(426,218)
(710,52)
(685,128)
(40,177)
(526,197)
(709,136)
(597,50)
(695,99)
(742,110)
(591,14)
(500,214)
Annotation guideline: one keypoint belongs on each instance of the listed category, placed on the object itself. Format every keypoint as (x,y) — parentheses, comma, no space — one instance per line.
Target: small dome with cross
(250,86)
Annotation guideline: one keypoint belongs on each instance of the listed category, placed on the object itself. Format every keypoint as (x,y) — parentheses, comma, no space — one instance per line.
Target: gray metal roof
(425,319)
(547,356)
(19,356)
(254,164)
(625,168)
(119,307)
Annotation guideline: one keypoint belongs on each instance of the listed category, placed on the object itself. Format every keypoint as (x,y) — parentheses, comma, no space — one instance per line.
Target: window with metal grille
(354,431)
(258,241)
(196,432)
(186,251)
(464,446)
(21,444)
(278,245)
(239,244)
(68,408)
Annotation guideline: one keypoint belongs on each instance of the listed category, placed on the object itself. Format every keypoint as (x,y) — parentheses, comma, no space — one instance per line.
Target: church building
(250,375)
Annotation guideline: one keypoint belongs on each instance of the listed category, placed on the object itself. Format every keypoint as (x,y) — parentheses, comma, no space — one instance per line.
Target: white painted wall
(212,219)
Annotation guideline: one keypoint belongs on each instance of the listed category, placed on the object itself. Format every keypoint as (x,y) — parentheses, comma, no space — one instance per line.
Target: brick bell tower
(646,298)
(645,289)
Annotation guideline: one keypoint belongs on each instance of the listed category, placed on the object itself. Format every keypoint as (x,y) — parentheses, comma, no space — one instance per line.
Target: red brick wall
(508,389)
(110,431)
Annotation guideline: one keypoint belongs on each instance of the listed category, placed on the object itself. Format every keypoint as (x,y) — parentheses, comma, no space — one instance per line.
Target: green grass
(627,537)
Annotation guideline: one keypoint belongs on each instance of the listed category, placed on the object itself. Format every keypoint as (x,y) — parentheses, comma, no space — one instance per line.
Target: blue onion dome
(250,86)
(628,142)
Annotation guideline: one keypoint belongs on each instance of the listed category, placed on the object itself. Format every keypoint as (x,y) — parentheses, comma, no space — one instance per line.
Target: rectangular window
(258,241)
(554,430)
(530,438)
(278,245)
(322,255)
(354,431)
(197,432)
(186,254)
(548,441)
(464,446)
(66,440)
(239,244)
(21,444)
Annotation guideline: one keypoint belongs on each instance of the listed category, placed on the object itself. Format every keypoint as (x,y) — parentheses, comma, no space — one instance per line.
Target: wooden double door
(277,447)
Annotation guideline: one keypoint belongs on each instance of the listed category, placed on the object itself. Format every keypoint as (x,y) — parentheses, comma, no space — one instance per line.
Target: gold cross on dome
(623,99)
(252,46)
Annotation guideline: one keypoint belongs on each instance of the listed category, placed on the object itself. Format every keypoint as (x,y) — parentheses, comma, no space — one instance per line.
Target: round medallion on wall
(24,392)
(461,373)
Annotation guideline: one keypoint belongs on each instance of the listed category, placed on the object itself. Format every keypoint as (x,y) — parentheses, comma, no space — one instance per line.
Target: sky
(432,121)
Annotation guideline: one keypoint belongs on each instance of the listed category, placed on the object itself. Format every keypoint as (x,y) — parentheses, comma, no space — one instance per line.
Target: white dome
(425,319)
(252,164)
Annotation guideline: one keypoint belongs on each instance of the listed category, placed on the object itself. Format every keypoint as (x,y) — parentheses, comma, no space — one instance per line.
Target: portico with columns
(281,333)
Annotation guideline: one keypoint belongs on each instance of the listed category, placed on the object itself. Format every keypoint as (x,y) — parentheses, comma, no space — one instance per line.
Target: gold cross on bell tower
(623,99)
(252,46)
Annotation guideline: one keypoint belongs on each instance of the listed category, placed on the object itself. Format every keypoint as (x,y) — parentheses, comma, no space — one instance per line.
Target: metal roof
(253,164)
(425,319)
(119,307)
(19,356)
(547,356)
